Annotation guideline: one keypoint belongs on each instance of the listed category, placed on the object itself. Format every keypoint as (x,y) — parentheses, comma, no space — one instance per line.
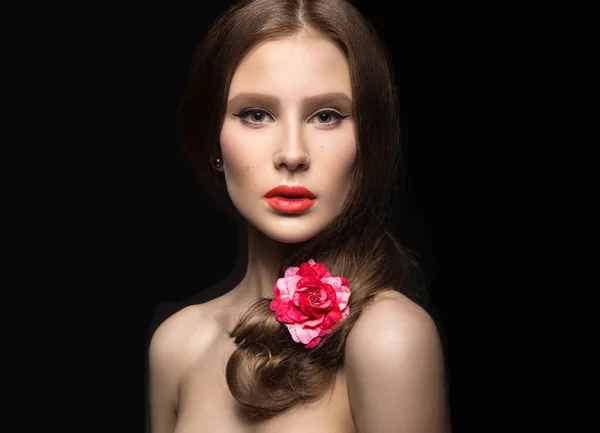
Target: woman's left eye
(254,115)
(328,117)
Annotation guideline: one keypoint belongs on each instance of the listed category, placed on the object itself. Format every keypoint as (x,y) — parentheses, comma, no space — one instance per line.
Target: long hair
(268,372)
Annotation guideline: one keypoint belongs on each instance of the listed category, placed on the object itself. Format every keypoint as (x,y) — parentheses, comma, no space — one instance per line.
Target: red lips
(289,192)
(290,199)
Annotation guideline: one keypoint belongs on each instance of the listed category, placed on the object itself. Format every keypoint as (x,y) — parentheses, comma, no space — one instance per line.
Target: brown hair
(268,372)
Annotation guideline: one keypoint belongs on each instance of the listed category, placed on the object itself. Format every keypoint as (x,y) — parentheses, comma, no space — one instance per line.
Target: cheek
(346,146)
(341,165)
(348,158)
(341,156)
(239,160)
(350,150)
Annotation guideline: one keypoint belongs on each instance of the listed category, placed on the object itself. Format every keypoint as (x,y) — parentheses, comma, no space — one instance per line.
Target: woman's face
(286,125)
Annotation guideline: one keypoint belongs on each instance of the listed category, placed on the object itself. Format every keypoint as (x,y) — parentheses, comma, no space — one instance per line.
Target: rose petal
(343,297)
(313,323)
(342,292)
(306,271)
(293,315)
(324,294)
(325,331)
(274,303)
(331,318)
(282,307)
(287,313)
(304,335)
(320,270)
(313,343)
(307,282)
(335,282)
(301,299)
(292,270)
(287,286)
(292,330)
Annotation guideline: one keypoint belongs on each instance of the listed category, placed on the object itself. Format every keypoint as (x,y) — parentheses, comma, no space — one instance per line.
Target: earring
(217,163)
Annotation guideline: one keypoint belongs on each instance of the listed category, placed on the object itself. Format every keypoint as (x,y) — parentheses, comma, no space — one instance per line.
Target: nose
(292,154)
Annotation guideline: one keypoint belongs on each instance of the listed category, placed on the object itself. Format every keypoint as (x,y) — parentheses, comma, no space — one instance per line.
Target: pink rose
(309,301)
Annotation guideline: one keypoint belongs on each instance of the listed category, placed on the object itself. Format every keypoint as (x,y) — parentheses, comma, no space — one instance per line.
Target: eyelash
(337,117)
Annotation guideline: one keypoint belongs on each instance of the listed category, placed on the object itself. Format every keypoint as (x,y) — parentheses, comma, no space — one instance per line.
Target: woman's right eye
(253,115)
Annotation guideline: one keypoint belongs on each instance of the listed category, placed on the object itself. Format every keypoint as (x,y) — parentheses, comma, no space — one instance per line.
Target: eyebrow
(335,98)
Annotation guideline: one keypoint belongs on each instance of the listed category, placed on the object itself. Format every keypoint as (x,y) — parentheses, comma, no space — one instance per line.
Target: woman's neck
(262,271)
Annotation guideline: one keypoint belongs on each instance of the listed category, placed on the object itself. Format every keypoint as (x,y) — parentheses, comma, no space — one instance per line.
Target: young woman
(290,115)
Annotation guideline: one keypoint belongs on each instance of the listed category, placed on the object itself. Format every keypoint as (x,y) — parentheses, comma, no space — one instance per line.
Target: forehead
(291,67)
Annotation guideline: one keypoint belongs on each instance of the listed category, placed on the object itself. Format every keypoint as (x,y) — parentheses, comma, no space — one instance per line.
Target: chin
(288,238)
(287,229)
(290,231)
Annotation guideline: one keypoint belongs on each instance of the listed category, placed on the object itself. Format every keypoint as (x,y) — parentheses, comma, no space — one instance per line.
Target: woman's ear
(217,163)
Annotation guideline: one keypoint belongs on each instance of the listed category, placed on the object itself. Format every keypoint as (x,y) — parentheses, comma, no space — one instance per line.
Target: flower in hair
(309,301)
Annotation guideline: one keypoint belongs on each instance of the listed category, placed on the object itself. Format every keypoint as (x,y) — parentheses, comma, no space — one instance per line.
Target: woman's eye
(328,116)
(253,115)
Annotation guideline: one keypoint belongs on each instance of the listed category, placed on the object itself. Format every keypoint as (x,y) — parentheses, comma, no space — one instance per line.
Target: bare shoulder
(395,370)
(396,321)
(184,338)
(177,345)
